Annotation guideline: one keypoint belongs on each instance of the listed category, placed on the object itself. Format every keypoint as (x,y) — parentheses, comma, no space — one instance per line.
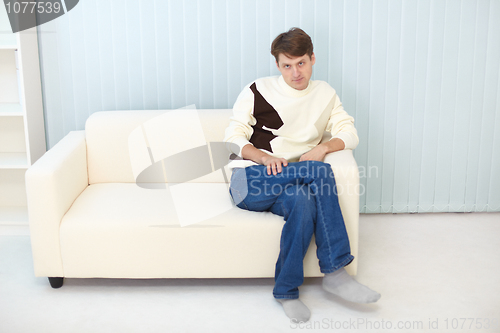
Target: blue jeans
(304,193)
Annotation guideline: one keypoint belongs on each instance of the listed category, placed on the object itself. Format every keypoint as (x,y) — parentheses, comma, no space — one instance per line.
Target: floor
(436,273)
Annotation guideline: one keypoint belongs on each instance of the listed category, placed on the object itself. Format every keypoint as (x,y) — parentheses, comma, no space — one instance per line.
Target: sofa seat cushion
(122,230)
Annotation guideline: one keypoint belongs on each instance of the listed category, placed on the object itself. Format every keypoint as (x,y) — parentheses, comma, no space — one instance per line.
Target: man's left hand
(316,154)
(319,152)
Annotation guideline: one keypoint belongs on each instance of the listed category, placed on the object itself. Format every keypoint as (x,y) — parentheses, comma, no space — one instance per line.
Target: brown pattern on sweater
(266,116)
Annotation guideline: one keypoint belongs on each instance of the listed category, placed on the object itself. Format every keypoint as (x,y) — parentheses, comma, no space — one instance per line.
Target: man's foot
(342,284)
(295,309)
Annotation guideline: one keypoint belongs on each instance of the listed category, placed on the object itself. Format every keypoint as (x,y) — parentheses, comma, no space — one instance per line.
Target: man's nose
(295,71)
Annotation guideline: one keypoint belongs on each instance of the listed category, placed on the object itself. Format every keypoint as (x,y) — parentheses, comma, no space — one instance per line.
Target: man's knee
(322,169)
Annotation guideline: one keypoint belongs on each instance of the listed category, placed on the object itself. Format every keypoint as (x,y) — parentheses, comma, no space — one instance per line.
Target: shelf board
(13,161)
(8,42)
(11,109)
(14,215)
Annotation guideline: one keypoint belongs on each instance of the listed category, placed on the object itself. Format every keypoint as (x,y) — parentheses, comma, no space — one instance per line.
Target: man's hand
(319,152)
(274,164)
(316,154)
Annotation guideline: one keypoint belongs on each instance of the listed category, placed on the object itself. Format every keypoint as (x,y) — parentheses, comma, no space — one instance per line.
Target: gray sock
(342,284)
(295,309)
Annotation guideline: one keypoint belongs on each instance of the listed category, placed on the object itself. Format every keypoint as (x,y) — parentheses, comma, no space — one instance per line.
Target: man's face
(296,70)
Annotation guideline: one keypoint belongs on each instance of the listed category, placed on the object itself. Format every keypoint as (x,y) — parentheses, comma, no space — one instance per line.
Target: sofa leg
(56,282)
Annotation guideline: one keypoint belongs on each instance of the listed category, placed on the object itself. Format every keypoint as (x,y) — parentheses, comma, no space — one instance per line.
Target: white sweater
(286,122)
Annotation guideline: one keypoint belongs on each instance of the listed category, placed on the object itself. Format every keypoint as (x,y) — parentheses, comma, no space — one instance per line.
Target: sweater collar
(292,91)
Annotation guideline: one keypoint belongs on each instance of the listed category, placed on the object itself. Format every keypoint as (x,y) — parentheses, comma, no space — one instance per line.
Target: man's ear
(277,65)
(313,58)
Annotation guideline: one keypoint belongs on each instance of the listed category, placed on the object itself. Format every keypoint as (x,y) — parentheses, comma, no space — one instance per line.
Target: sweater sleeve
(240,129)
(341,125)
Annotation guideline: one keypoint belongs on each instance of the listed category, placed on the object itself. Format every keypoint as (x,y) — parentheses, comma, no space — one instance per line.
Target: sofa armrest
(345,170)
(53,183)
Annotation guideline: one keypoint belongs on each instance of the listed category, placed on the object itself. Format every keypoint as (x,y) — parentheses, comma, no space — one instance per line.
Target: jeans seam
(285,212)
(237,193)
(325,228)
(320,209)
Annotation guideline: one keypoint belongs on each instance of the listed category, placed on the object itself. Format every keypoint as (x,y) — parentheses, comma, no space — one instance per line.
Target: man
(277,125)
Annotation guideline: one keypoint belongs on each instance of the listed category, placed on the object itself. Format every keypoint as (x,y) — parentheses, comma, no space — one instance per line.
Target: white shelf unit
(22,129)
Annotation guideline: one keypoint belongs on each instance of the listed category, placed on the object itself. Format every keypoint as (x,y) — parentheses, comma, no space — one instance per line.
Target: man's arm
(240,129)
(341,125)
(273,164)
(344,134)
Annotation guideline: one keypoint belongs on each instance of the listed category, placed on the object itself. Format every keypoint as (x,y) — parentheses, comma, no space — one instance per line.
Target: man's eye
(301,63)
(287,66)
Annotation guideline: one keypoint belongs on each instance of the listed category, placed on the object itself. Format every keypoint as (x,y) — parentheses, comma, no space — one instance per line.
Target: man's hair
(295,42)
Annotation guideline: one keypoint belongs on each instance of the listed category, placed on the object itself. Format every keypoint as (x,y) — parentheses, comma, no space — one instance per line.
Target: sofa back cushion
(157,146)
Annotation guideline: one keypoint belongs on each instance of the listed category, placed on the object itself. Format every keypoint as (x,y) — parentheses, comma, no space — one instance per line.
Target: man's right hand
(274,164)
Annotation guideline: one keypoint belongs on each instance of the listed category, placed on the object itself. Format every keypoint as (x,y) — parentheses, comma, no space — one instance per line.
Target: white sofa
(106,203)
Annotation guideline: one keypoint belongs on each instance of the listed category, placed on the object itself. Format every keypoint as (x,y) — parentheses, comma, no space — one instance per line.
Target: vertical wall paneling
(205,53)
(309,22)
(321,33)
(234,56)
(419,102)
(421,78)
(493,179)
(432,106)
(391,115)
(374,133)
(120,56)
(79,63)
(494,194)
(292,12)
(51,90)
(447,107)
(192,61)
(92,61)
(335,40)
(134,53)
(478,103)
(362,104)
(404,126)
(177,57)
(107,54)
(149,57)
(278,25)
(263,40)
(488,120)
(220,55)
(463,105)
(163,60)
(349,48)
(248,62)
(66,75)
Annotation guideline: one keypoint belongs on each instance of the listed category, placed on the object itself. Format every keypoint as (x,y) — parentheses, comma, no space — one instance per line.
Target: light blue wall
(420,77)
